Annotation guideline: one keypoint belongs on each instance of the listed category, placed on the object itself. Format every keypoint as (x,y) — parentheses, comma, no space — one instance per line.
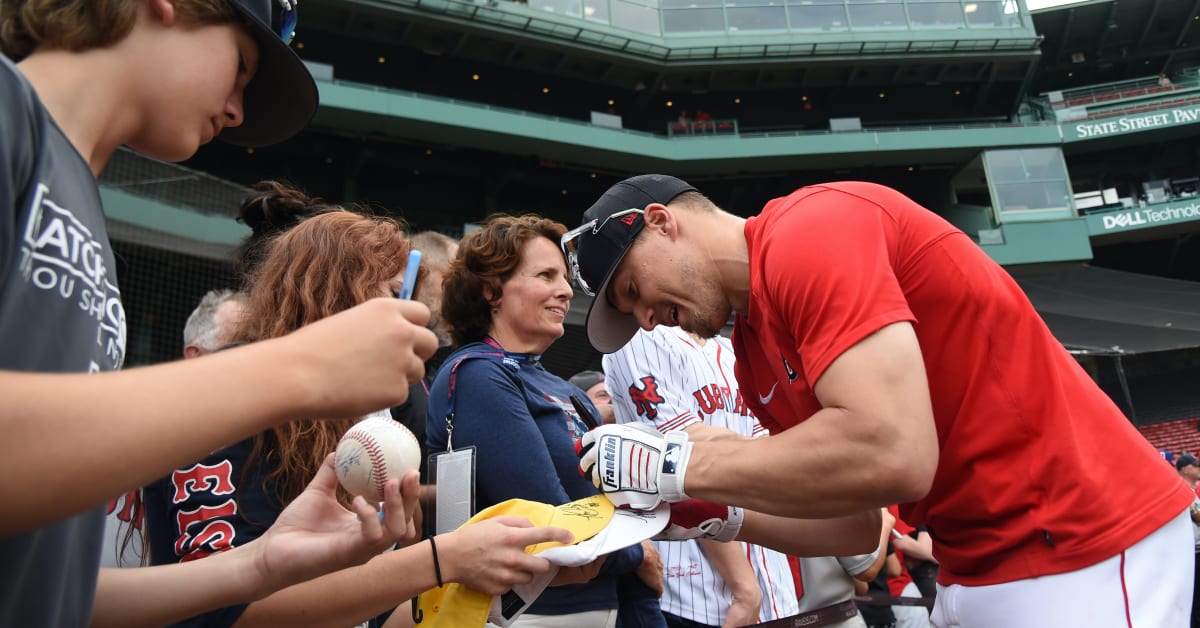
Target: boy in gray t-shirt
(163,76)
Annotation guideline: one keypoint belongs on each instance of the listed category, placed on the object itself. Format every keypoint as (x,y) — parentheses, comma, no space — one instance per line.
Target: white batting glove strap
(725,531)
(696,519)
(677,452)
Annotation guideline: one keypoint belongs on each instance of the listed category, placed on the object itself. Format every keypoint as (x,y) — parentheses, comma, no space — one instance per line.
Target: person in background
(506,297)
(436,252)
(900,581)
(917,549)
(826,585)
(683,124)
(640,605)
(670,380)
(78,79)
(229,498)
(1189,469)
(208,328)
(876,613)
(275,207)
(592,384)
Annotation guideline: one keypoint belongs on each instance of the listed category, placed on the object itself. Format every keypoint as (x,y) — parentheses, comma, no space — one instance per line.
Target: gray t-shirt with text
(60,312)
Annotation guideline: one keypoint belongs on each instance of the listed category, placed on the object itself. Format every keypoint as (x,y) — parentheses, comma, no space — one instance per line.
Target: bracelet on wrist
(437,567)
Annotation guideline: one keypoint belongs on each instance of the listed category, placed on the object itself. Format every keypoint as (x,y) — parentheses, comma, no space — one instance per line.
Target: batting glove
(635,465)
(698,519)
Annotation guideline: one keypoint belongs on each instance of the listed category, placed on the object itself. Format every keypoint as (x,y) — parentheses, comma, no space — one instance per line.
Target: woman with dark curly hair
(325,264)
(506,296)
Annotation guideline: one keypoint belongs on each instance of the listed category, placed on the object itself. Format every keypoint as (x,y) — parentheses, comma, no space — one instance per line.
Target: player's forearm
(840,536)
(698,432)
(816,469)
(156,596)
(350,596)
(135,425)
(729,560)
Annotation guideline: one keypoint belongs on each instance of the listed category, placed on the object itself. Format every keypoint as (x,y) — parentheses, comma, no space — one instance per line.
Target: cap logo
(628,220)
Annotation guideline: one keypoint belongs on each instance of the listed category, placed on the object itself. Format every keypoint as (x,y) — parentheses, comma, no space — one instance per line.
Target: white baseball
(373,451)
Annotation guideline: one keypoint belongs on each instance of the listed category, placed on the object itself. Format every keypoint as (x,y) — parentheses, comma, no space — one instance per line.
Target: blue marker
(410,275)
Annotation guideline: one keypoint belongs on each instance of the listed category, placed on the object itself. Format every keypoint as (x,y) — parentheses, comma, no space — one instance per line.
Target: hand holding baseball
(374,451)
(315,535)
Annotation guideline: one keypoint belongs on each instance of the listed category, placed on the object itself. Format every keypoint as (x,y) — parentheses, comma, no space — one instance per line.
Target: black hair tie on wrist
(437,567)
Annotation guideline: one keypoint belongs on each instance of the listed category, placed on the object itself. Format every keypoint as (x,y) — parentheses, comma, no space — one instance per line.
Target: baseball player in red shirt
(868,328)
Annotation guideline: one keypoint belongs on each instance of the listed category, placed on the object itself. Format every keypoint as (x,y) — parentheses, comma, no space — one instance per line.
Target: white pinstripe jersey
(663,377)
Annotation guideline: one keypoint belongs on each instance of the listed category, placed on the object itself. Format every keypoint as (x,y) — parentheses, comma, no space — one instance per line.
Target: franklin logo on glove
(635,465)
(611,446)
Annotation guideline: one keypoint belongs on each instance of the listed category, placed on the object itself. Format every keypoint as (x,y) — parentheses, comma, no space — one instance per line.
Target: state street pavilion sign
(1162,118)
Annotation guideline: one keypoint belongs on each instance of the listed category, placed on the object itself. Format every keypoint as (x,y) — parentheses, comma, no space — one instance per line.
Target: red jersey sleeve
(826,261)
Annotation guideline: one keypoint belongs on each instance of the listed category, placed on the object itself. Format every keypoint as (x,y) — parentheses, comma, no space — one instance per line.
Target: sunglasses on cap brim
(569,243)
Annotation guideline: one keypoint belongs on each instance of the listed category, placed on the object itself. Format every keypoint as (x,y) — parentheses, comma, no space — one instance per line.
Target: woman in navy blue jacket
(506,296)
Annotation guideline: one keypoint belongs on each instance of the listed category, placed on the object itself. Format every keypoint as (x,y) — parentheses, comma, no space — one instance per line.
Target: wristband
(733,525)
(674,464)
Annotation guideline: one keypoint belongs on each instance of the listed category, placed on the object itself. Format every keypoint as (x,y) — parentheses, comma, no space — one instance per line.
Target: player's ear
(162,11)
(659,218)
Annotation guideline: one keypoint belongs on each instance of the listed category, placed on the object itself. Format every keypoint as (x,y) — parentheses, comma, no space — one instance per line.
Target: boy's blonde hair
(79,25)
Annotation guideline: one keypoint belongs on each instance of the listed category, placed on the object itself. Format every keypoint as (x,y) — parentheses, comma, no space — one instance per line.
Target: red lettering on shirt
(199,478)
(214,536)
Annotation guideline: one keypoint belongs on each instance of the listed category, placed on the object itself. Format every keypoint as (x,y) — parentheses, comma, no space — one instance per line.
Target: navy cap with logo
(600,248)
(282,97)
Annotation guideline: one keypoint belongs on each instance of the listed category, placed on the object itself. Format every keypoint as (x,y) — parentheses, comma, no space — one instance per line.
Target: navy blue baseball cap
(281,98)
(595,249)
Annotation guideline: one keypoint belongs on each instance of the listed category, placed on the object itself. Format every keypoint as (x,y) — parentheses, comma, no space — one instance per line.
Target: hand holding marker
(387,427)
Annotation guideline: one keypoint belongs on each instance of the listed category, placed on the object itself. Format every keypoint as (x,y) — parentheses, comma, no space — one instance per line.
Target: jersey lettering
(201,531)
(214,537)
(710,399)
(130,505)
(690,570)
(200,478)
(739,405)
(646,398)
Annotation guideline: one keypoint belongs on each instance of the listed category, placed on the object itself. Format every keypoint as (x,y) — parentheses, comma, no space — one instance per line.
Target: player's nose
(645,318)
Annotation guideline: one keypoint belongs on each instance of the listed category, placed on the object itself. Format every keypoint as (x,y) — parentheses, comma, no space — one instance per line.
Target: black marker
(588,419)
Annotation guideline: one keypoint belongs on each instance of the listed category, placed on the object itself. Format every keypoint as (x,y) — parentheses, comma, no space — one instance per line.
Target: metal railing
(716,126)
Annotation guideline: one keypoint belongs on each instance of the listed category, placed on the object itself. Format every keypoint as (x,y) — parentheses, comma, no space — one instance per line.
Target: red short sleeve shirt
(1032,453)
